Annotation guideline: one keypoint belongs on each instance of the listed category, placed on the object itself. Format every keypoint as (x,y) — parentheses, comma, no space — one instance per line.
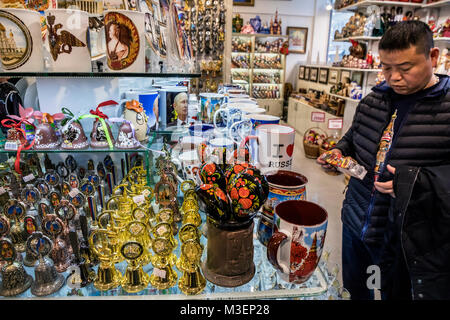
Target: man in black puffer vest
(404,122)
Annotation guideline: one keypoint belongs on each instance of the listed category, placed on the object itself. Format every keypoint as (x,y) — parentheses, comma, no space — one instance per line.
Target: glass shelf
(98,75)
(265,284)
(90,150)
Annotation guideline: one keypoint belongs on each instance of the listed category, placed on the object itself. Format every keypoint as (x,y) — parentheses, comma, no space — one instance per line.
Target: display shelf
(365,4)
(345,98)
(98,75)
(342,68)
(260,35)
(436,4)
(443,39)
(265,284)
(357,38)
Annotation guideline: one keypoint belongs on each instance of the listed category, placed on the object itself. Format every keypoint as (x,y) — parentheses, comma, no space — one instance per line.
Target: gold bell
(192,281)
(46,279)
(15,279)
(107,275)
(135,279)
(163,276)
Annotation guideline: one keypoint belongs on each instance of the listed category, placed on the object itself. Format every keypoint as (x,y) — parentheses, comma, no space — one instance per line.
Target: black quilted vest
(422,140)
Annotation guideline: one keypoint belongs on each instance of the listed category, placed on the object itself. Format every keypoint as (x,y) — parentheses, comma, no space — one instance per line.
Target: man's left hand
(386,187)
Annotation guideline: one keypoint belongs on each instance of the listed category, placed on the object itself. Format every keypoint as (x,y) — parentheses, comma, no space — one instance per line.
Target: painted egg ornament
(216,202)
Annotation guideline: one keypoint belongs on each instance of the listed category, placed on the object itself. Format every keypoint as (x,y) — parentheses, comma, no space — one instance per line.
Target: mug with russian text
(275,146)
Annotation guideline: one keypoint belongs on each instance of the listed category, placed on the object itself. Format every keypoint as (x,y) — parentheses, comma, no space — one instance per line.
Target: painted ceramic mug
(228,117)
(21,41)
(275,146)
(221,150)
(67,40)
(283,185)
(209,103)
(190,164)
(125,44)
(298,237)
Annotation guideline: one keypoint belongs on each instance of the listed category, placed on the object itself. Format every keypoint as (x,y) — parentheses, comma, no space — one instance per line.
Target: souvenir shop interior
(161,149)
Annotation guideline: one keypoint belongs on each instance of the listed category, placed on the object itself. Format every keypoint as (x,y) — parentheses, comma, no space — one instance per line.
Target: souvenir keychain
(16,139)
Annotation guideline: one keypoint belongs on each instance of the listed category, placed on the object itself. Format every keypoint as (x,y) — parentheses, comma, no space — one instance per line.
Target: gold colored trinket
(107,275)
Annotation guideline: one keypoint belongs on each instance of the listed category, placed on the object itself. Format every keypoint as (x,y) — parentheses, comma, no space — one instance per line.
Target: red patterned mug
(298,236)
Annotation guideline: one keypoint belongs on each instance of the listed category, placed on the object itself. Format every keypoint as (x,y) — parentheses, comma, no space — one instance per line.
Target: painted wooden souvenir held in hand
(46,137)
(73,136)
(134,113)
(101,134)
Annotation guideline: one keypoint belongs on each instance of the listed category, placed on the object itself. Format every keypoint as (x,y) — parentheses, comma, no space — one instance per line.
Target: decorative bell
(46,279)
(15,279)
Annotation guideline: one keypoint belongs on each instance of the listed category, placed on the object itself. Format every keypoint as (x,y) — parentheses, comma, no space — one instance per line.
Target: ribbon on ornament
(26,117)
(100,116)
(11,123)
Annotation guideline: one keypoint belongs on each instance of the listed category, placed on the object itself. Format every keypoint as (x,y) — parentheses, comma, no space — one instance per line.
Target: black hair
(405,34)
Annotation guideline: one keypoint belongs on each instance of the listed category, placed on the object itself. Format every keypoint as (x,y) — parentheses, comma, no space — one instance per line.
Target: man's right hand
(323,163)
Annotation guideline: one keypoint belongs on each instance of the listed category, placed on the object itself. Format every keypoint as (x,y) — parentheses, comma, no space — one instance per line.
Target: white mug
(22,29)
(229,116)
(67,32)
(275,146)
(221,150)
(125,41)
(191,165)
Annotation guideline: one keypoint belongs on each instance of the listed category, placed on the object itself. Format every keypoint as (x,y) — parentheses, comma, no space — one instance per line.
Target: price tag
(335,123)
(28,177)
(11,145)
(317,116)
(139,199)
(73,193)
(2,190)
(159,273)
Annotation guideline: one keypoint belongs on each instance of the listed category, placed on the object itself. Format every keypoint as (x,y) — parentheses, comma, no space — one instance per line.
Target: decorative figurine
(135,114)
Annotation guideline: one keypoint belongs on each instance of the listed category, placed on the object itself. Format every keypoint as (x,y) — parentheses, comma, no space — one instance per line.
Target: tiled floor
(327,191)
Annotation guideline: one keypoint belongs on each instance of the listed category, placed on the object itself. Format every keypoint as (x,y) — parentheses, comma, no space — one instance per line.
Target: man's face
(181,106)
(408,71)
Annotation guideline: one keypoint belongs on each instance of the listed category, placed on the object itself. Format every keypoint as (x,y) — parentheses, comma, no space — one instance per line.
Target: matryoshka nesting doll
(134,112)
(46,136)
